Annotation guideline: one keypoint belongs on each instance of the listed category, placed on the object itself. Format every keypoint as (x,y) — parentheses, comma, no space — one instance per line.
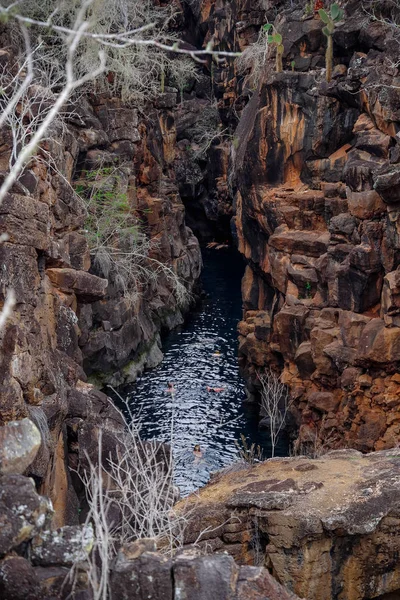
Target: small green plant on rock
(330,18)
(275,38)
(309,9)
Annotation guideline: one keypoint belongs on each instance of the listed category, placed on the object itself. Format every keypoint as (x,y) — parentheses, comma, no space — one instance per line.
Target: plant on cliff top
(254,59)
(137,39)
(130,496)
(250,454)
(133,71)
(183,72)
(276,39)
(330,18)
(86,37)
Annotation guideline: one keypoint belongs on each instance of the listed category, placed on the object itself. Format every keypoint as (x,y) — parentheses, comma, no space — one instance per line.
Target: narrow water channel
(203,352)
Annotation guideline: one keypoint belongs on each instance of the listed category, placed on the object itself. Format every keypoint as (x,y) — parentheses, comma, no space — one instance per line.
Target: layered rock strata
(327,529)
(316,169)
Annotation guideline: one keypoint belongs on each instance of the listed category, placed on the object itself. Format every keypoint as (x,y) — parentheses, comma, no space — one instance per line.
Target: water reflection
(200,356)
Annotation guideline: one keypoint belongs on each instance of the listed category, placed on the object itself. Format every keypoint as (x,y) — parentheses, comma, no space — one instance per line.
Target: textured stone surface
(19,444)
(87,288)
(18,580)
(196,578)
(63,547)
(140,572)
(315,177)
(23,513)
(327,528)
(144,574)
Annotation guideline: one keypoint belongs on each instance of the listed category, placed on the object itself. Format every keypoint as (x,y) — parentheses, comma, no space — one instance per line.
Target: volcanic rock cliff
(326,528)
(71,322)
(314,176)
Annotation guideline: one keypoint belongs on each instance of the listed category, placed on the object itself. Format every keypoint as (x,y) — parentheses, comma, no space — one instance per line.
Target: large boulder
(18,580)
(141,573)
(87,287)
(63,547)
(19,444)
(312,522)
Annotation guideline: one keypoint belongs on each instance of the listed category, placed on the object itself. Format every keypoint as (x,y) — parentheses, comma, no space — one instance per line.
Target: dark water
(192,415)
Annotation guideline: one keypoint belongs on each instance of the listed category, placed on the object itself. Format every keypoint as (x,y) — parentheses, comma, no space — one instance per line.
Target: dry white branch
(131,495)
(275,404)
(126,39)
(34,104)
(71,84)
(26,67)
(254,58)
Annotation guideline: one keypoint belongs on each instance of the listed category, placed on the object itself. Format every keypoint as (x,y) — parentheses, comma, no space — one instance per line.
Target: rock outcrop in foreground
(327,528)
(39,561)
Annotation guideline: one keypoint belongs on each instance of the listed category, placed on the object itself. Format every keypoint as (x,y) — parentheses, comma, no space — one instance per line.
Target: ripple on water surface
(192,415)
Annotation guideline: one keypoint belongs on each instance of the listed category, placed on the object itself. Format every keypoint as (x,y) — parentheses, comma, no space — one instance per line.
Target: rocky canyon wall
(70,321)
(315,183)
(312,175)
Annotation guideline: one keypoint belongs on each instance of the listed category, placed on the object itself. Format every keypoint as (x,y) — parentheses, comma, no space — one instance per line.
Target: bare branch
(71,85)
(28,64)
(124,40)
(275,404)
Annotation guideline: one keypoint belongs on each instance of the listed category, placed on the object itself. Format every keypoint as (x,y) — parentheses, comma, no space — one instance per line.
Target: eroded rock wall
(118,336)
(316,195)
(70,321)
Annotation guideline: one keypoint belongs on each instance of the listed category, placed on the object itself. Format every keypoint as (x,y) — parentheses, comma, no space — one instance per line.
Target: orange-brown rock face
(317,198)
(327,529)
